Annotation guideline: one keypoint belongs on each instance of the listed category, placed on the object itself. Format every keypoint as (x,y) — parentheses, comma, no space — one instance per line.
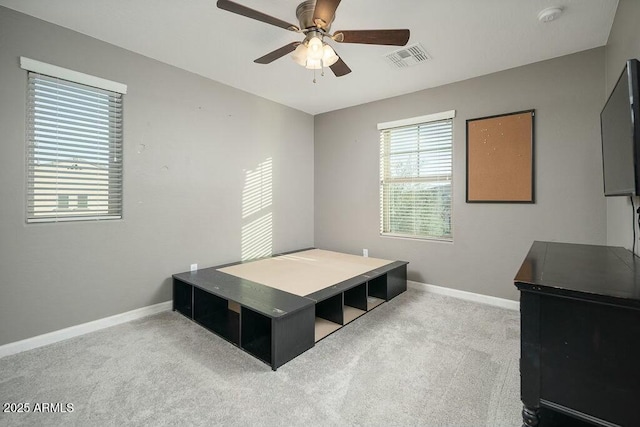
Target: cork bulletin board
(500,158)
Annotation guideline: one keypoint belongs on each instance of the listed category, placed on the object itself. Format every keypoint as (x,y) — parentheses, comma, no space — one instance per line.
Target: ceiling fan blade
(385,37)
(278,53)
(340,68)
(324,12)
(254,14)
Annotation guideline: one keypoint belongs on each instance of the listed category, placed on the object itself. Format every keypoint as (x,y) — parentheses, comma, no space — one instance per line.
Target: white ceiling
(465,38)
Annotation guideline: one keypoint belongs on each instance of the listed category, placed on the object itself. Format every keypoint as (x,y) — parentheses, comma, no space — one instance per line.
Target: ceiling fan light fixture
(315,48)
(329,58)
(299,55)
(314,54)
(314,64)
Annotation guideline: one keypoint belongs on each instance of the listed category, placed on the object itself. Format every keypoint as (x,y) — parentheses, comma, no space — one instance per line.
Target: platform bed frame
(273,325)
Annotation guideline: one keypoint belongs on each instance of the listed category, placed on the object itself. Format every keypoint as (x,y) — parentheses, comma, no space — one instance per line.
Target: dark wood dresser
(580,333)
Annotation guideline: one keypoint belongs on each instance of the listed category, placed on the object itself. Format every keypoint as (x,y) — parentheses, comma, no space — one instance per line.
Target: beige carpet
(418,360)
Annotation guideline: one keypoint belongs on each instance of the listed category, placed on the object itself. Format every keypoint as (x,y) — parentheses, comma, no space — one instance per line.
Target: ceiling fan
(315,18)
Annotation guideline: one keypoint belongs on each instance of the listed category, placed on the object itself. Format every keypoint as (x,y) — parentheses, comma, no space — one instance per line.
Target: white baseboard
(468,296)
(84,328)
(96,325)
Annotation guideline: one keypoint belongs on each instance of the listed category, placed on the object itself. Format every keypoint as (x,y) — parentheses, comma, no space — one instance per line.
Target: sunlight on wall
(257,198)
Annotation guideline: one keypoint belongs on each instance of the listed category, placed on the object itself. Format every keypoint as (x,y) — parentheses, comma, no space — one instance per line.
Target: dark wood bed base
(276,326)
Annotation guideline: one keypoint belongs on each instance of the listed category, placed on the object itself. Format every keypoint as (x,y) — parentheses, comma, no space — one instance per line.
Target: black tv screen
(620,127)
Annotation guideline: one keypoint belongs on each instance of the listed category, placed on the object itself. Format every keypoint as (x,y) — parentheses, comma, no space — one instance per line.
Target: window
(83,201)
(415,177)
(74,145)
(63,201)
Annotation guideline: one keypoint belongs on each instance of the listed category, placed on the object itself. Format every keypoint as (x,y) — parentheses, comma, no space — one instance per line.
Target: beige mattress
(303,273)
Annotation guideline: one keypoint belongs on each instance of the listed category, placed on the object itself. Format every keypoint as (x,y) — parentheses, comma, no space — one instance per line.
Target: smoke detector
(408,56)
(549,14)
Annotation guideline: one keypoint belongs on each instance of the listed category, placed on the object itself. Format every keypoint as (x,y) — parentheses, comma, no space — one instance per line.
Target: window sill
(416,238)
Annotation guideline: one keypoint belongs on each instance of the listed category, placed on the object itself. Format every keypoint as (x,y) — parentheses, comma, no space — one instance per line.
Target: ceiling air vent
(408,56)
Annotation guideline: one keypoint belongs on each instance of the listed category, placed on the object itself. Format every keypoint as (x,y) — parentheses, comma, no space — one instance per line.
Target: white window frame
(386,129)
(72,118)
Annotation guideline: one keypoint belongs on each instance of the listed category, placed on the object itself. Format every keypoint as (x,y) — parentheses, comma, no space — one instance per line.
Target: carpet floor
(420,359)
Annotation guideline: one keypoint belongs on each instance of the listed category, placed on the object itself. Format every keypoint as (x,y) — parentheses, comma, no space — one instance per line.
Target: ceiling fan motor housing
(304,13)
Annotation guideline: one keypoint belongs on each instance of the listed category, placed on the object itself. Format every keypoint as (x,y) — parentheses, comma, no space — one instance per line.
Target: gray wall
(490,240)
(183,191)
(623,44)
(190,144)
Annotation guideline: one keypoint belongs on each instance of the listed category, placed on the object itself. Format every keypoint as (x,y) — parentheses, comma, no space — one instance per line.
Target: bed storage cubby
(329,316)
(213,313)
(373,302)
(183,298)
(277,322)
(256,334)
(269,324)
(355,302)
(378,287)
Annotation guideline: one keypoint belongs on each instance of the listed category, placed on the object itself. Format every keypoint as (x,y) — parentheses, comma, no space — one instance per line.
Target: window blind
(415,180)
(74,151)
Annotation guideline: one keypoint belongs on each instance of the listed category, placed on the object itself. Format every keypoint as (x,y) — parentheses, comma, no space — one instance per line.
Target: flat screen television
(620,127)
